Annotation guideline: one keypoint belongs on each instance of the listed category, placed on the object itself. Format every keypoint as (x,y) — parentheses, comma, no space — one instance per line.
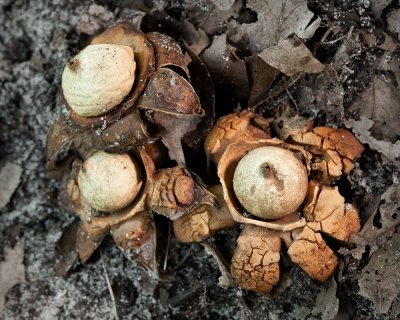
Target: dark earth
(358,38)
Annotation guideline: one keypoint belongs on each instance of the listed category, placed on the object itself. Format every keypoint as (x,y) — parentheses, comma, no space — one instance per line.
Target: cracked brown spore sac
(235,127)
(326,211)
(255,264)
(175,191)
(311,253)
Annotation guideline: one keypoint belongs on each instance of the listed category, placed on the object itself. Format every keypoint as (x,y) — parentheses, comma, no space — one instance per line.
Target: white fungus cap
(109,182)
(98,79)
(270,182)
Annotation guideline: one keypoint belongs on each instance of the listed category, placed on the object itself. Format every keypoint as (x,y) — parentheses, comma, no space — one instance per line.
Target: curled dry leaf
(311,253)
(276,20)
(393,22)
(380,102)
(390,151)
(227,69)
(264,76)
(379,279)
(235,127)
(372,236)
(291,56)
(136,238)
(202,83)
(10,177)
(175,191)
(255,263)
(205,220)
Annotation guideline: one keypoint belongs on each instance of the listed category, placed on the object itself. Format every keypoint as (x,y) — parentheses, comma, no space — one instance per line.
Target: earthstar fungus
(124,93)
(252,166)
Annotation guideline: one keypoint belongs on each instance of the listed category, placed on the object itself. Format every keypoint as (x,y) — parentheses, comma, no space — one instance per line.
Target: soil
(37,39)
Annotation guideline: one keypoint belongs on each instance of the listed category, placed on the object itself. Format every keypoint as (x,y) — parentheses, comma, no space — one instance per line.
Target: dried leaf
(202,83)
(223,4)
(94,18)
(277,19)
(136,238)
(322,92)
(12,270)
(377,7)
(227,69)
(10,177)
(362,131)
(264,77)
(381,277)
(66,251)
(380,102)
(219,21)
(373,236)
(291,56)
(393,21)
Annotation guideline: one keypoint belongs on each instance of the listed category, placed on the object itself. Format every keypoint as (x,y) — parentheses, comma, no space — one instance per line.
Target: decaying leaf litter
(356,42)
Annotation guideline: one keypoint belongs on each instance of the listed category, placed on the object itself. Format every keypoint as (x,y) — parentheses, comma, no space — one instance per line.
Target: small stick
(167,249)
(109,286)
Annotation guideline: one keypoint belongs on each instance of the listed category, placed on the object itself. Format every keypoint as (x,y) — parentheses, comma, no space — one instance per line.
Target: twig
(109,286)
(294,101)
(167,249)
(278,91)
(278,33)
(190,293)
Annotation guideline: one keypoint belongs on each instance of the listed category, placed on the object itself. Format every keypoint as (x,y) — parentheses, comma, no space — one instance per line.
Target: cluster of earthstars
(126,84)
